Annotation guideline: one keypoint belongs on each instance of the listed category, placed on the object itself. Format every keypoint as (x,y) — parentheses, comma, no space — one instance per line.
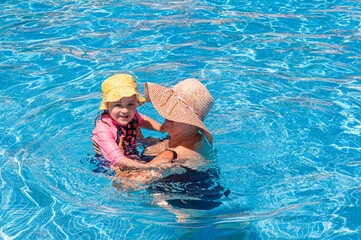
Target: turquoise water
(286,80)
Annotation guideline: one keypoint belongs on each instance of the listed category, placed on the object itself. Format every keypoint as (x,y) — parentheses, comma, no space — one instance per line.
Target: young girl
(115,133)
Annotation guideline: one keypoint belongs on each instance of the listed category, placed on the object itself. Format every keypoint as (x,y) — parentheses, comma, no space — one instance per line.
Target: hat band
(174,93)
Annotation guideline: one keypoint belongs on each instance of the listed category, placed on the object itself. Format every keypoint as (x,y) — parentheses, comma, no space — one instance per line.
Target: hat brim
(179,112)
(117,94)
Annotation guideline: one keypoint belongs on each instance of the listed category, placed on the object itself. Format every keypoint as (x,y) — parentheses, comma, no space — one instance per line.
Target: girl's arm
(132,163)
(159,164)
(151,124)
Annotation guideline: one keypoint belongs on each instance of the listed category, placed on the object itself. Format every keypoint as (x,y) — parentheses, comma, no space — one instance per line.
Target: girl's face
(123,111)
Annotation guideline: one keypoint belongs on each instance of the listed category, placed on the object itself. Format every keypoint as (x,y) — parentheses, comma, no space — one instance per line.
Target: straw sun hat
(187,102)
(118,86)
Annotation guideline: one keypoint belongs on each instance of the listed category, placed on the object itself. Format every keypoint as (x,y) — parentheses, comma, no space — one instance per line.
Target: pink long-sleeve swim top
(105,134)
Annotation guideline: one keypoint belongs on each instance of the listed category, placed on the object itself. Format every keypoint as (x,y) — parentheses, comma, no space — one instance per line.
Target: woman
(185,179)
(184,107)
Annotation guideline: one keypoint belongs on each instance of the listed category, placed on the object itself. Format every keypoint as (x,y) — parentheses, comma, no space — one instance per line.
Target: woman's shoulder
(185,152)
(192,144)
(197,150)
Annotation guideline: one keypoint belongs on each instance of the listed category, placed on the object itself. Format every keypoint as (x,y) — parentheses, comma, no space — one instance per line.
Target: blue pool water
(286,80)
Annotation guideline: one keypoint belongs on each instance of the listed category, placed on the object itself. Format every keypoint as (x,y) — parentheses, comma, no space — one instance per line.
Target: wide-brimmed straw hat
(118,86)
(187,102)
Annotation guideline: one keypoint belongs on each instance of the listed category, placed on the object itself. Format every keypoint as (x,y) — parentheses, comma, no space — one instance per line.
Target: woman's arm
(163,160)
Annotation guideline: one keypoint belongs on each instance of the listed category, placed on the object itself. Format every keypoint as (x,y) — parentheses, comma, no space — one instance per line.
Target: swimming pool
(285,76)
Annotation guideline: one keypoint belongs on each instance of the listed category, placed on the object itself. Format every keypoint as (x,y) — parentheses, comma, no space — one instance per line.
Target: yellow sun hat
(118,86)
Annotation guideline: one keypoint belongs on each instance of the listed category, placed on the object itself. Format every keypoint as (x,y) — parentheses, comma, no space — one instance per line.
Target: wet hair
(100,116)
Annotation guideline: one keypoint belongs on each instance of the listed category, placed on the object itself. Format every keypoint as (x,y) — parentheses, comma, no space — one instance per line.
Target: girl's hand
(160,164)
